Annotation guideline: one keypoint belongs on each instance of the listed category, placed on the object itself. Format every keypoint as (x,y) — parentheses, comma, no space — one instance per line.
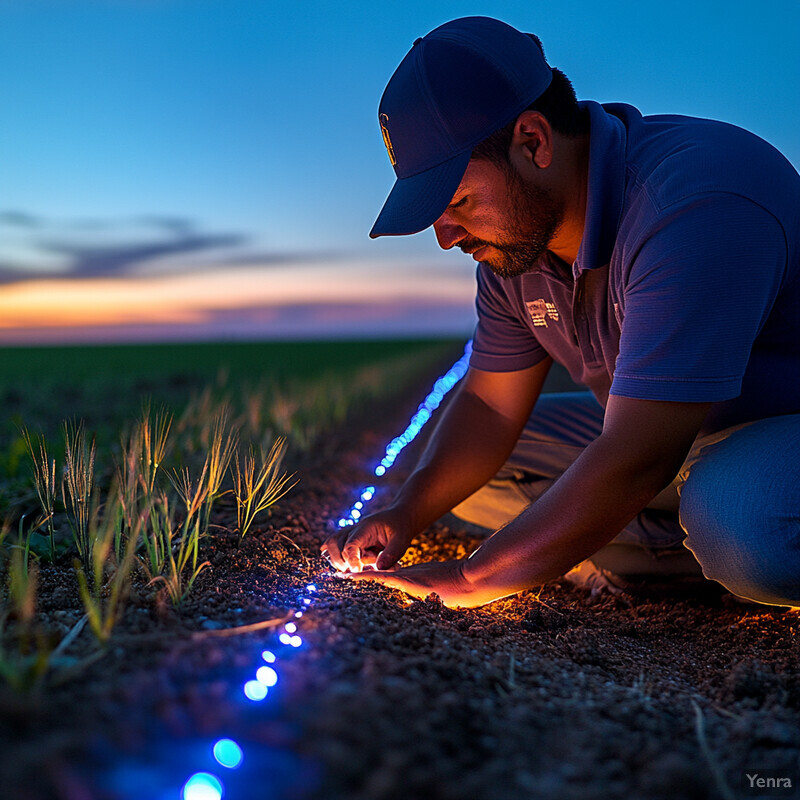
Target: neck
(575,181)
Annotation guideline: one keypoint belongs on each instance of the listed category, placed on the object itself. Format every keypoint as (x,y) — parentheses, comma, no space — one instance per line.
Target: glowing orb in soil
(202,786)
(228,753)
(255,691)
(267,676)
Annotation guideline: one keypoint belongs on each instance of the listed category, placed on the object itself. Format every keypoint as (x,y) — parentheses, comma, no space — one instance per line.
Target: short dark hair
(558,104)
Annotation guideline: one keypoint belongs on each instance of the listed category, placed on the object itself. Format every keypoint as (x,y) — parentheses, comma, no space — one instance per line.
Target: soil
(664,692)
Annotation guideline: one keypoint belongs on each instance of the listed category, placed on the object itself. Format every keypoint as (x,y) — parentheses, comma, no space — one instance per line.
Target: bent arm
(472,440)
(639,452)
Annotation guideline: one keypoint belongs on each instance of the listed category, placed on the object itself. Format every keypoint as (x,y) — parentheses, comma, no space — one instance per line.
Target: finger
(333,546)
(392,553)
(362,548)
(351,554)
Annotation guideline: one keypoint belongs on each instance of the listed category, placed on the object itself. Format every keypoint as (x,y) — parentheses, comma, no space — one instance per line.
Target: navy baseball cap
(456,86)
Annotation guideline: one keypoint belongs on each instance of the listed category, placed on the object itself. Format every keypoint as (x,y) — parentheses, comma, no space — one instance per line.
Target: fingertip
(352,558)
(385,562)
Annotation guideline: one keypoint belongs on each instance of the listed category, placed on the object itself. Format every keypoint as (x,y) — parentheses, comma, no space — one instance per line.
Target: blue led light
(206,786)
(267,676)
(202,786)
(255,691)
(228,753)
(441,387)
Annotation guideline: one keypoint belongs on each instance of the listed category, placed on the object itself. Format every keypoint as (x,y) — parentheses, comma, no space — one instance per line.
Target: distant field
(197,361)
(40,386)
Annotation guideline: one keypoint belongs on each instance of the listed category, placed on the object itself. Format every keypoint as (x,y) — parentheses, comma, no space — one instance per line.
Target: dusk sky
(211,168)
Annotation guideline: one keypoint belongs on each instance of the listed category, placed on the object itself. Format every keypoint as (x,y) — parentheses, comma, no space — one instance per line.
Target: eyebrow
(456,200)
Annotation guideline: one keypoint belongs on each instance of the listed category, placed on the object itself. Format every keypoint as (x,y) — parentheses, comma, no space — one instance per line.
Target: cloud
(11,272)
(37,248)
(92,261)
(178,226)
(19,219)
(277,258)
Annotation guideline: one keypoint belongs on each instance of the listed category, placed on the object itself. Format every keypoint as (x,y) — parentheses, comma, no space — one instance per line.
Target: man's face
(499,218)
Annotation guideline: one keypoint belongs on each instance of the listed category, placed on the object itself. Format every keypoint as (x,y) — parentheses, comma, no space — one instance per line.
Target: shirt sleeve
(697,293)
(502,343)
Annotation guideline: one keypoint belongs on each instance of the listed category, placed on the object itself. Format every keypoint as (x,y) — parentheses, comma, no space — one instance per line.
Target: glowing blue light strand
(226,752)
(426,408)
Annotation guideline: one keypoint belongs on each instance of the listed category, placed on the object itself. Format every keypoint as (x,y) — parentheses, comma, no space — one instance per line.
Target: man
(658,259)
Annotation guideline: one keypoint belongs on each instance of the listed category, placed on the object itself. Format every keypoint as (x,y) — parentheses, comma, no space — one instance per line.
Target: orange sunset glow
(72,308)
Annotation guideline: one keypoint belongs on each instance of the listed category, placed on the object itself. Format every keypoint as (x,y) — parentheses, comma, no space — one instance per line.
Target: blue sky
(146,138)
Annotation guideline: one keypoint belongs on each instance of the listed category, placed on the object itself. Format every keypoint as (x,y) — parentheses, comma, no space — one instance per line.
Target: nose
(448,233)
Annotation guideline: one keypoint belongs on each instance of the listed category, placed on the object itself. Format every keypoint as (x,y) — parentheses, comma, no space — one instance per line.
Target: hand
(445,578)
(378,540)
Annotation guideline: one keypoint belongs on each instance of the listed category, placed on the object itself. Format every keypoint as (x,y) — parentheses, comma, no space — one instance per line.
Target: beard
(534,220)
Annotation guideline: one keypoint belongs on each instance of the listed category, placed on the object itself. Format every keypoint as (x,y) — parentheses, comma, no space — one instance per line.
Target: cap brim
(415,203)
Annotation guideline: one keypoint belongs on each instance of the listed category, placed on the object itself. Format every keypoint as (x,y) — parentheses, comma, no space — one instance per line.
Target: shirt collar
(607,143)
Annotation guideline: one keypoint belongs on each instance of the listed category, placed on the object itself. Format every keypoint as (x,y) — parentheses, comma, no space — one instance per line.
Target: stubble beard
(534,220)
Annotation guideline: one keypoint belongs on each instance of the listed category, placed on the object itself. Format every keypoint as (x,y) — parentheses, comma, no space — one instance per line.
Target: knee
(740,508)
(494,504)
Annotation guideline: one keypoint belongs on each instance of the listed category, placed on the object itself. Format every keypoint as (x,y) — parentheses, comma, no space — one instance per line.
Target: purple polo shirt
(687,282)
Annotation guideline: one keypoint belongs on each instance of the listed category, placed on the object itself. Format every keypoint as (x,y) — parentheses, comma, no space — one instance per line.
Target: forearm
(602,491)
(641,449)
(469,445)
(578,515)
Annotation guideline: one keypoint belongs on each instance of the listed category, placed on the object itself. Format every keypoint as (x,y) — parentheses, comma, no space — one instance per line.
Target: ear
(532,142)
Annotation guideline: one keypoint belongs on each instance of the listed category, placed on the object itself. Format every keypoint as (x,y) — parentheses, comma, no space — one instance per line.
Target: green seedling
(151,442)
(44,478)
(137,477)
(180,543)
(76,488)
(224,440)
(105,599)
(22,667)
(257,484)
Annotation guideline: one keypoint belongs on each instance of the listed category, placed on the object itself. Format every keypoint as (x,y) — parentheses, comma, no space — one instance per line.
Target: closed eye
(458,203)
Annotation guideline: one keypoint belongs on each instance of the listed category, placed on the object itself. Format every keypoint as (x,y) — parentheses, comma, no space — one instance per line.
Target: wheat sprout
(257,486)
(44,478)
(76,488)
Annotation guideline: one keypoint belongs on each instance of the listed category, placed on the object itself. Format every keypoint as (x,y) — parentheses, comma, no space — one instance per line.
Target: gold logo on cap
(384,119)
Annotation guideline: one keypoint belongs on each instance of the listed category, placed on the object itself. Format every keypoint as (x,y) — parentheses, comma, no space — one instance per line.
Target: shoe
(599,581)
